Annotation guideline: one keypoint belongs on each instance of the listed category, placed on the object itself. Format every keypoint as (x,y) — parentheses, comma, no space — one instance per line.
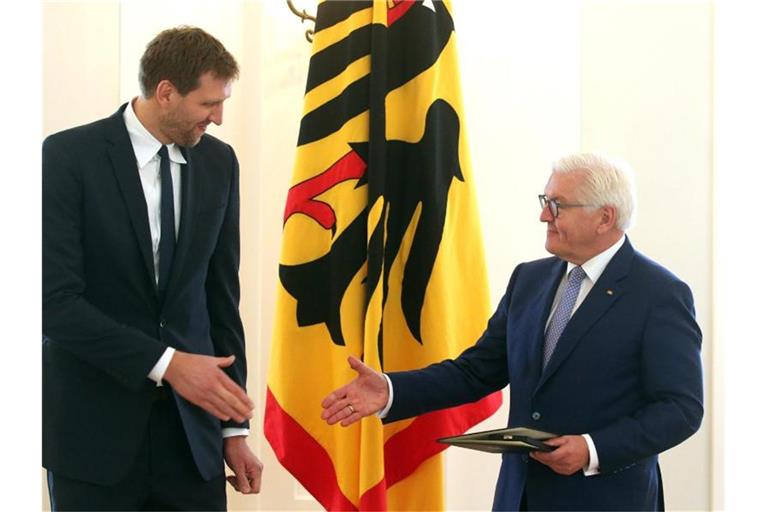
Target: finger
(333,405)
(236,396)
(233,405)
(211,407)
(339,410)
(352,418)
(556,441)
(228,403)
(334,396)
(223,362)
(332,418)
(217,402)
(233,482)
(543,457)
(238,392)
(242,482)
(214,409)
(234,388)
(254,479)
(359,366)
(349,415)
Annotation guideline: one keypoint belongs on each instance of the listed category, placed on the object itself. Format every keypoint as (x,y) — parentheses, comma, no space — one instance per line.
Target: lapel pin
(609,292)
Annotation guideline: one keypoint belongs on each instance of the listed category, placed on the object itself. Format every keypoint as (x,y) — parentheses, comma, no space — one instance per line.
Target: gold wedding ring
(351,409)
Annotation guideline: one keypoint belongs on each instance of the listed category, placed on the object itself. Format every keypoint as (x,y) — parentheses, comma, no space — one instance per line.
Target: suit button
(162,322)
(536,415)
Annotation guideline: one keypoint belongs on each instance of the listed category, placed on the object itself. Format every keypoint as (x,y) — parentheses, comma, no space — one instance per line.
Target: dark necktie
(167,222)
(562,313)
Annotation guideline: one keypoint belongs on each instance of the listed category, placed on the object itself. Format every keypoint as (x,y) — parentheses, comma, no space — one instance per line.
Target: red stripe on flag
(375,498)
(310,464)
(406,450)
(306,460)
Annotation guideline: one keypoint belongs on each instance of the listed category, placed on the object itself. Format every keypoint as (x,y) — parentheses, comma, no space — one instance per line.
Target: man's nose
(217,115)
(546,215)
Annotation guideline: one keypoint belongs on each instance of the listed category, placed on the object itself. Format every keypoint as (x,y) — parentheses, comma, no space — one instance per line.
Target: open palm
(367,394)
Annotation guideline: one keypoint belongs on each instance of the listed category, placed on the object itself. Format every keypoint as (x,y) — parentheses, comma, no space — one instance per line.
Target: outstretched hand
(366,395)
(201,380)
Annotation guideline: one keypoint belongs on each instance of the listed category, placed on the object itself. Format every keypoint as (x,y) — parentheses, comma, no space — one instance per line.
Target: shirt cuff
(593,467)
(232,432)
(383,413)
(158,371)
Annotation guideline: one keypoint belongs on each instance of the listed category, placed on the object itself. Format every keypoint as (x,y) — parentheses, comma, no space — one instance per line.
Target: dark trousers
(164,476)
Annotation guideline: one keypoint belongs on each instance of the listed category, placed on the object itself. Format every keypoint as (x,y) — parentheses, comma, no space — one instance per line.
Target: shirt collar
(145,145)
(595,266)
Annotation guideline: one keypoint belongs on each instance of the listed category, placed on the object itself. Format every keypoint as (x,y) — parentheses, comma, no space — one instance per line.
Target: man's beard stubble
(174,128)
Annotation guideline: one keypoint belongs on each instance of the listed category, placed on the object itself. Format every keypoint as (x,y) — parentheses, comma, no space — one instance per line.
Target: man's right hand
(366,395)
(200,380)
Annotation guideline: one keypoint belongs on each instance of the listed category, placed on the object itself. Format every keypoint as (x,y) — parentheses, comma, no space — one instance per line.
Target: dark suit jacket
(104,327)
(626,370)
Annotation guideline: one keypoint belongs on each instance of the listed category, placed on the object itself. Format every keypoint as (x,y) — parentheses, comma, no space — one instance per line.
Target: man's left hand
(244,463)
(570,455)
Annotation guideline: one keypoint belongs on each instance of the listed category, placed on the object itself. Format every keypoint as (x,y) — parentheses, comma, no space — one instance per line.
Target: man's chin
(551,248)
(189,142)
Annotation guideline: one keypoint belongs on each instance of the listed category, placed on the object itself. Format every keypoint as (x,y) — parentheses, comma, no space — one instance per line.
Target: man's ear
(607,219)
(165,92)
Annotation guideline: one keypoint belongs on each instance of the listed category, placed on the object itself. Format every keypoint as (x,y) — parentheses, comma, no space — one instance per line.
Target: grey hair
(608,182)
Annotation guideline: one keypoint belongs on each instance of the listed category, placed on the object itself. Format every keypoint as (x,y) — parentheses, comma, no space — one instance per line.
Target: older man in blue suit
(598,343)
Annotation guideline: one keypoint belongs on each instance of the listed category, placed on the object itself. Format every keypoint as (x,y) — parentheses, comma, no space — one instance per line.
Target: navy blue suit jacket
(104,326)
(626,370)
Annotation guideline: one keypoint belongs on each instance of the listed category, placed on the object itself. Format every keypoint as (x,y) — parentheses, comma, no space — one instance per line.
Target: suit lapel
(189,184)
(126,172)
(603,295)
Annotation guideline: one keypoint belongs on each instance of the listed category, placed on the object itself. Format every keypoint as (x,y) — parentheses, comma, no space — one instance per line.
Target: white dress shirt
(593,269)
(145,148)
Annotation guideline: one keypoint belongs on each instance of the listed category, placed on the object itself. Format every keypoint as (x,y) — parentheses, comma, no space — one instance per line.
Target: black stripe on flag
(331,12)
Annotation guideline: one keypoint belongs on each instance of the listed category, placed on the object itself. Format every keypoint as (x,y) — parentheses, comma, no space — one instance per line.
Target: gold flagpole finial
(304,16)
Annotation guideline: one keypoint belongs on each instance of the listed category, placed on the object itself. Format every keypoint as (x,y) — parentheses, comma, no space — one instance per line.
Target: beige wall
(539,79)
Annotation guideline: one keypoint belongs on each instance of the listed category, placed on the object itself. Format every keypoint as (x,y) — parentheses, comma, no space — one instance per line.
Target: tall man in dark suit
(599,344)
(144,364)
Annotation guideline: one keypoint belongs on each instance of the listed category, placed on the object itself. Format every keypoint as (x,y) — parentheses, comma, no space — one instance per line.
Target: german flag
(382,256)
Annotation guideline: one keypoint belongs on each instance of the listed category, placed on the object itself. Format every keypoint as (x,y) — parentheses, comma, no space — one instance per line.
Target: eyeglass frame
(554,205)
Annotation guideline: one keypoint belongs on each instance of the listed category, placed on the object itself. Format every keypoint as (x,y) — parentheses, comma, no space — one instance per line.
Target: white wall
(741,179)
(540,79)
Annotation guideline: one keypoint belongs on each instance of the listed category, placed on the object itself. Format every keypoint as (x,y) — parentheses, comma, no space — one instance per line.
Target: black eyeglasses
(555,206)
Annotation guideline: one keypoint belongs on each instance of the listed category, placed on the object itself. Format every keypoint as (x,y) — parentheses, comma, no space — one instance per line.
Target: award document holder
(503,440)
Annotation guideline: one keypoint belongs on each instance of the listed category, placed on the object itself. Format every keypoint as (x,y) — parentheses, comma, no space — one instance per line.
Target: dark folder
(518,439)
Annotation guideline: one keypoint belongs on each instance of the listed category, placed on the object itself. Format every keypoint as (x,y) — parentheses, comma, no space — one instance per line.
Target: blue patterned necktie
(562,313)
(167,222)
